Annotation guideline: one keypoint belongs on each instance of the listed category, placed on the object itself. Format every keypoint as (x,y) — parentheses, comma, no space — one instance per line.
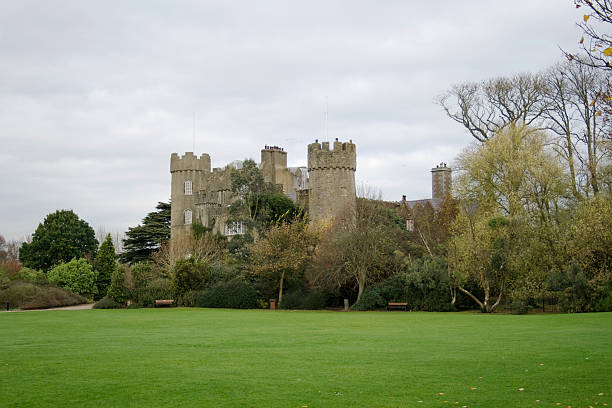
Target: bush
(520,307)
(298,299)
(107,303)
(604,304)
(370,300)
(32,276)
(145,296)
(190,275)
(234,294)
(27,295)
(4,280)
(77,276)
(142,274)
(117,290)
(315,301)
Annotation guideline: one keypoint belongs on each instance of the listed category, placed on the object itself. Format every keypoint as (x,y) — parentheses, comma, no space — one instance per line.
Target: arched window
(188,216)
(188,187)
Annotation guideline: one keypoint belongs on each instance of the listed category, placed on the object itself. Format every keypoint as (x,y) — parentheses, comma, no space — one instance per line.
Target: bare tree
(485,107)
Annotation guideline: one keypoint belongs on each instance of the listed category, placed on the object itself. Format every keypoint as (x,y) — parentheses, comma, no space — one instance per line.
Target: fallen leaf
(586,17)
(608,52)
(521,389)
(581,40)
(600,394)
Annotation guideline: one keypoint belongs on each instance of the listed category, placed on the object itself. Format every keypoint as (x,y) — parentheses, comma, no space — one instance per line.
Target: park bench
(164,302)
(397,306)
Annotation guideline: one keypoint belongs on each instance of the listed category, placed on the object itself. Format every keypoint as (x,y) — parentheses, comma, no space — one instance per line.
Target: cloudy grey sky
(96,95)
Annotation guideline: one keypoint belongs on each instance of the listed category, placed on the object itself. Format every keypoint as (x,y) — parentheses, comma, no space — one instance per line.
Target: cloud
(94,97)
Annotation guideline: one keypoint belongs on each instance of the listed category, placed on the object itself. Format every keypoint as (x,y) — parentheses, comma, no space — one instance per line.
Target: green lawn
(258,358)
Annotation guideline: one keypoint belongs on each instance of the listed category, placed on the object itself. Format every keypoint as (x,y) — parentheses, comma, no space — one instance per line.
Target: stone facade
(325,188)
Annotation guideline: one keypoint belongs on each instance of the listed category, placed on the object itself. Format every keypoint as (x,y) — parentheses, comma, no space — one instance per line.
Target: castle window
(188,187)
(234,228)
(188,217)
(410,225)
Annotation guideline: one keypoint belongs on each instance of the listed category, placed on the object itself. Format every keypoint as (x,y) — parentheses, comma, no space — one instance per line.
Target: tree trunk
(280,290)
(482,307)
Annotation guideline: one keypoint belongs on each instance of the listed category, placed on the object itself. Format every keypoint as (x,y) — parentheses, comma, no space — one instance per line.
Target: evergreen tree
(104,265)
(144,239)
(61,237)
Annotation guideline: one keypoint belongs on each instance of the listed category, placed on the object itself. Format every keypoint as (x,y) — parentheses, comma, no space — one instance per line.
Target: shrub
(520,307)
(117,290)
(315,301)
(234,294)
(190,274)
(76,276)
(604,304)
(27,295)
(104,265)
(142,274)
(4,280)
(107,302)
(145,296)
(370,300)
(32,276)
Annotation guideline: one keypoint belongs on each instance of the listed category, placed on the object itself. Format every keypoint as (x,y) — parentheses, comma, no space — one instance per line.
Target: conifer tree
(104,265)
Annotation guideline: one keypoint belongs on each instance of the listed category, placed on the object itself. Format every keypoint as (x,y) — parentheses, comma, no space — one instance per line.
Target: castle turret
(274,168)
(188,176)
(332,179)
(441,182)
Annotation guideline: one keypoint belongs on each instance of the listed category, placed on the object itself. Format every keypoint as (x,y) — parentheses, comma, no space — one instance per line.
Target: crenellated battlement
(342,156)
(189,161)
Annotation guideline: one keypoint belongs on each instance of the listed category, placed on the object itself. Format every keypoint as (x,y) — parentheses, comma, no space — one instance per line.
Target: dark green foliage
(572,288)
(107,303)
(118,290)
(190,275)
(77,276)
(146,294)
(104,265)
(142,240)
(604,304)
(32,276)
(371,299)
(424,285)
(61,237)
(235,294)
(276,206)
(27,295)
(142,274)
(520,307)
(304,300)
(4,280)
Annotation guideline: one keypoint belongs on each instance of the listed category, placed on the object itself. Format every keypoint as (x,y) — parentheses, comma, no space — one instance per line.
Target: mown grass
(256,358)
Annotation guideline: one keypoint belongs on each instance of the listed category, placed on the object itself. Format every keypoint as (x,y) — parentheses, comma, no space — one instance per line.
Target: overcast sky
(96,95)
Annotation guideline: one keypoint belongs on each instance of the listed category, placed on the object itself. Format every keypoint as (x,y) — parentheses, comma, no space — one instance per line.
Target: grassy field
(257,358)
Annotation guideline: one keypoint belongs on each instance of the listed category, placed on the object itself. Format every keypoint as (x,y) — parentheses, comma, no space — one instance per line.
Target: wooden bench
(397,306)
(163,302)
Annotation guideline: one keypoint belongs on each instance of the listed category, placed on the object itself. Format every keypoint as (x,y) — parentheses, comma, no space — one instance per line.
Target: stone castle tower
(440,182)
(188,174)
(331,178)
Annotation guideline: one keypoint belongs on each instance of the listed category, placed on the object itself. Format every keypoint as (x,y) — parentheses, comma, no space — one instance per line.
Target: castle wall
(331,179)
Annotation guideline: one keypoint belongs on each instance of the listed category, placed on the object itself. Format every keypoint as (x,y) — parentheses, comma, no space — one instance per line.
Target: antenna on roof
(326,113)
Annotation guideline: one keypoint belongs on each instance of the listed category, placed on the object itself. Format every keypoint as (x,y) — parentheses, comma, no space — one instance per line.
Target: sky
(96,95)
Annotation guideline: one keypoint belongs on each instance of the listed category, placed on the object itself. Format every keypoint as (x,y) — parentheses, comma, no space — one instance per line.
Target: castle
(325,188)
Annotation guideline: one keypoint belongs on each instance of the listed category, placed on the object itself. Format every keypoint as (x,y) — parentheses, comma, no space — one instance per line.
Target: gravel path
(84,306)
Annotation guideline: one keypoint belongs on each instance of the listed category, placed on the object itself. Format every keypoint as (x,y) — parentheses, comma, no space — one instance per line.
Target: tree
(484,108)
(284,251)
(118,289)
(360,251)
(510,188)
(141,241)
(190,274)
(77,276)
(104,266)
(597,48)
(61,237)
(249,185)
